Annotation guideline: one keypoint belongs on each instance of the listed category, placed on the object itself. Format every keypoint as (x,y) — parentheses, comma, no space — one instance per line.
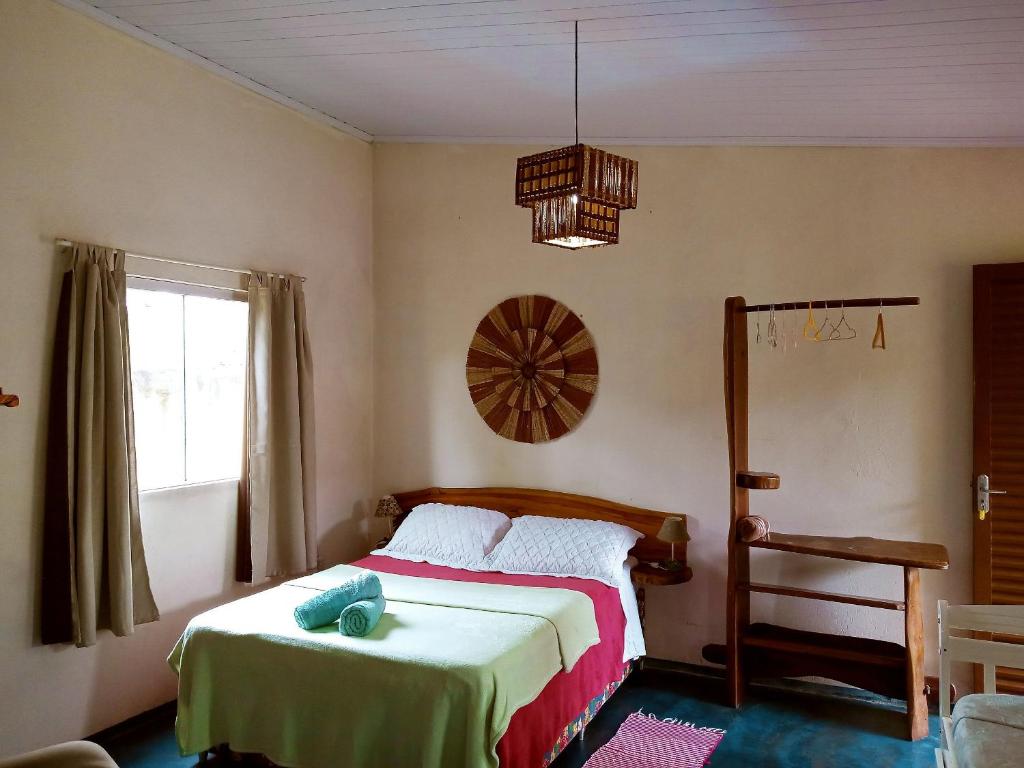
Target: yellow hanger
(811,326)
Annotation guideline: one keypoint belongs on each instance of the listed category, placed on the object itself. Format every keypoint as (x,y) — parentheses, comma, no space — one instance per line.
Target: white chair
(984,729)
(70,754)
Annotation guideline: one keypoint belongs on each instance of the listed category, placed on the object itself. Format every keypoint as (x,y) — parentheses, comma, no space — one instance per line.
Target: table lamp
(673,531)
(388,507)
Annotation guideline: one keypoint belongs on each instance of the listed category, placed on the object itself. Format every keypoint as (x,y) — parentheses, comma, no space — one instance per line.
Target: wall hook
(11,401)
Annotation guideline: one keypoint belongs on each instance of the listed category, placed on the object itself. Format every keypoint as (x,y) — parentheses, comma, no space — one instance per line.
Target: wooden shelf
(647,575)
(757,481)
(831,597)
(770,651)
(864,549)
(860,650)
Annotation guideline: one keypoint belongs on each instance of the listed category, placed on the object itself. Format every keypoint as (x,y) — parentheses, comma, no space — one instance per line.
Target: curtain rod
(779,306)
(65,242)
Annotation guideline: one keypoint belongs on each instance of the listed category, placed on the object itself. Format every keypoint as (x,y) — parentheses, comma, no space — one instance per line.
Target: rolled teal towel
(325,607)
(359,619)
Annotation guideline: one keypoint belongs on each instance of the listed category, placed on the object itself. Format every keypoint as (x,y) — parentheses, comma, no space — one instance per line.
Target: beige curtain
(94,566)
(277,493)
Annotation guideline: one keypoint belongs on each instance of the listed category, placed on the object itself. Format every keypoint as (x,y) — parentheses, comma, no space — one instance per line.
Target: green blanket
(434,684)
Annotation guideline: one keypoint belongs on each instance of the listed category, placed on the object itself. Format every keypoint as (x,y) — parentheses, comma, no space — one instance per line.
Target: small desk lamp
(673,531)
(388,507)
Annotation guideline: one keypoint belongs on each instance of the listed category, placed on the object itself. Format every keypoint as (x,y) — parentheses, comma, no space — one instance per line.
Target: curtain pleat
(94,563)
(277,522)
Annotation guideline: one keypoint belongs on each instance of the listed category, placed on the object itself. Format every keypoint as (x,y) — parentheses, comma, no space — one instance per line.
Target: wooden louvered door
(999,443)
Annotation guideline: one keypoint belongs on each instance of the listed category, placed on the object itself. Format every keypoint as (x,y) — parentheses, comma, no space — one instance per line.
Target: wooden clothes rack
(766,651)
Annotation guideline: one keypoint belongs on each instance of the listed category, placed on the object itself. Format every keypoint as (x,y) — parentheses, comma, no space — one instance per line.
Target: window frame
(184,288)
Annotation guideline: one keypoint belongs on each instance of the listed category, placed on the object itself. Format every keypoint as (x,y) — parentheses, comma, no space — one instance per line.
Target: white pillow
(557,546)
(445,534)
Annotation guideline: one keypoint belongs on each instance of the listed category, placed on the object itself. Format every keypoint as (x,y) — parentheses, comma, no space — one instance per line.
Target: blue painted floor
(787,726)
(792,726)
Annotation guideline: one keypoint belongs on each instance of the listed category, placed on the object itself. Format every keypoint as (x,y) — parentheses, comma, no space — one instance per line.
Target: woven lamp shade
(576,194)
(531,369)
(575,222)
(387,506)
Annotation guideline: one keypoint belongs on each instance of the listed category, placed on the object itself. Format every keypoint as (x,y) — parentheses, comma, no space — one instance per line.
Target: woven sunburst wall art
(531,369)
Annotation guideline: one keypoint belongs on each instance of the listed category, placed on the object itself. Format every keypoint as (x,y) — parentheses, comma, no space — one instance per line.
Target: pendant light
(576,192)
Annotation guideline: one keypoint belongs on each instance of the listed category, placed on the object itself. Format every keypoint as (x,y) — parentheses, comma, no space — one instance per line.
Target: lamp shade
(575,222)
(387,507)
(576,194)
(673,530)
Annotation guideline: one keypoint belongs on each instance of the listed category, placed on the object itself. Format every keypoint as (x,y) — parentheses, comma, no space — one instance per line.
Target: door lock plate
(983,492)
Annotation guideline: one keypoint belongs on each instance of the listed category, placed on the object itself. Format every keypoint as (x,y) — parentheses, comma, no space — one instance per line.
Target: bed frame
(516,502)
(978,624)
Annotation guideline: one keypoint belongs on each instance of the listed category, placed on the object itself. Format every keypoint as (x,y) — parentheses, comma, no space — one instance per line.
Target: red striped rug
(644,741)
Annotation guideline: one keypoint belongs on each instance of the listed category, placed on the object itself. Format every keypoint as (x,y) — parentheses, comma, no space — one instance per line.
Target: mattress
(988,730)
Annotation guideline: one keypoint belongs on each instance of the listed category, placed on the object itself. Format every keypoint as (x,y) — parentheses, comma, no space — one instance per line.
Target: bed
(467,667)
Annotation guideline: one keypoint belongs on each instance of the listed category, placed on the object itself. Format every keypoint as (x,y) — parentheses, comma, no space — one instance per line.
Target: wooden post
(917,705)
(734,354)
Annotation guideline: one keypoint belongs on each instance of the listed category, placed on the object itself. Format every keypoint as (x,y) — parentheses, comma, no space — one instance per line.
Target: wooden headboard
(515,502)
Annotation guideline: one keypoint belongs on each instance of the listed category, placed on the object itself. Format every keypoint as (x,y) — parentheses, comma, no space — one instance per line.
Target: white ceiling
(651,71)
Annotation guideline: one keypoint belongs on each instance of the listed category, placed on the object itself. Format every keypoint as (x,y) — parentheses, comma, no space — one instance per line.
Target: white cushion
(70,754)
(557,546)
(445,534)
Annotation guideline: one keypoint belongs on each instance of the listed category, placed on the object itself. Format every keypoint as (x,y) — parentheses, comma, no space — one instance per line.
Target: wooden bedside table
(648,575)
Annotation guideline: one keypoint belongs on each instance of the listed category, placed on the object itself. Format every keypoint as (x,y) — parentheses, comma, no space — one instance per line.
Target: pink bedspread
(536,727)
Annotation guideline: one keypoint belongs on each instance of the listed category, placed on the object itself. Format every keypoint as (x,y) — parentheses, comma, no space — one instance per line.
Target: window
(188,383)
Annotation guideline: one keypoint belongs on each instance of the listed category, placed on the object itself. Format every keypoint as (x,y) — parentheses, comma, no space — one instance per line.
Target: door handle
(982,493)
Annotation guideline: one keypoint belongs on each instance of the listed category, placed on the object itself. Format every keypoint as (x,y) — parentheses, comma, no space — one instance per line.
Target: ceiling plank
(935,72)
